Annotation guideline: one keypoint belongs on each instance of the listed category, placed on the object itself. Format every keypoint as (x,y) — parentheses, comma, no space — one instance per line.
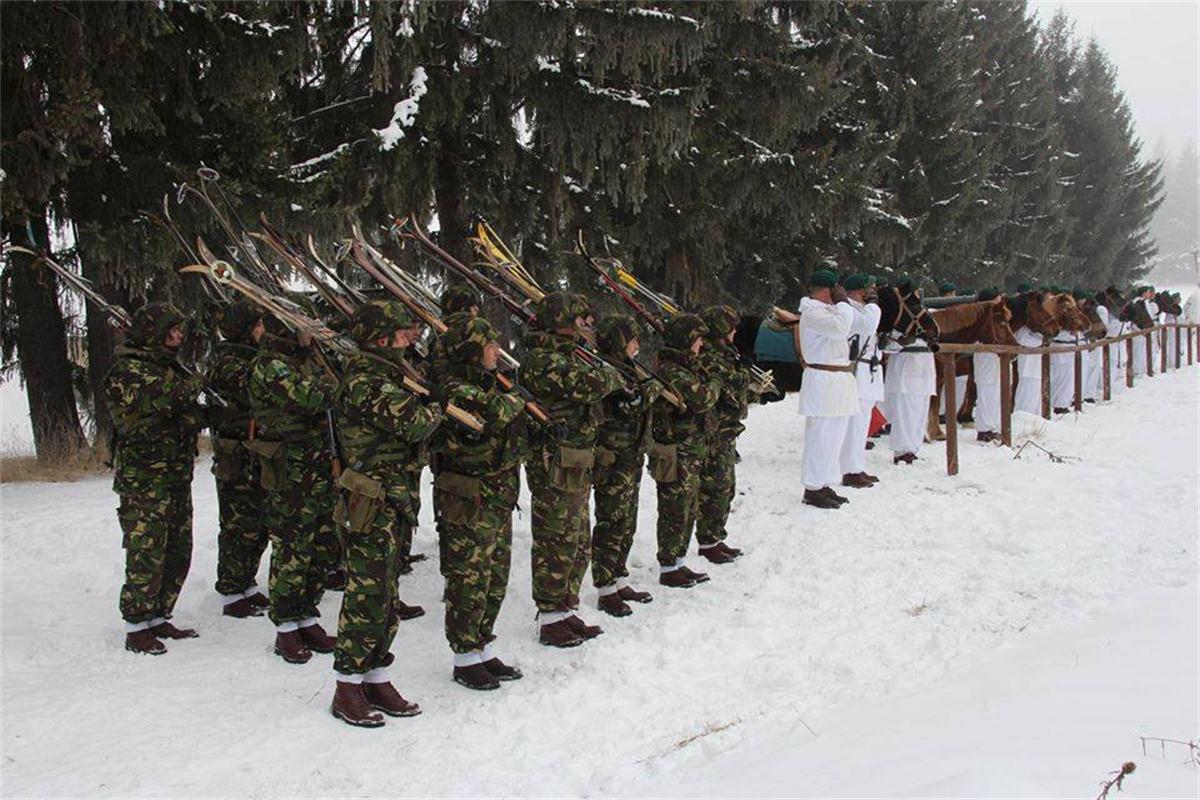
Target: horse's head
(1070,316)
(904,312)
(1042,312)
(997,324)
(1111,299)
(1168,304)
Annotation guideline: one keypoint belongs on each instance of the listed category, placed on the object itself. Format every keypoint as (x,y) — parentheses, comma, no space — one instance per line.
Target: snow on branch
(254,26)
(632,97)
(404,114)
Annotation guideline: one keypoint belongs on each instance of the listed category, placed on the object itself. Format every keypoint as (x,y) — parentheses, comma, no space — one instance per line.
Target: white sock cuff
(679,561)
(230,599)
(154,623)
(551,617)
(134,627)
(308,623)
(662,569)
(344,678)
(605,591)
(287,627)
(377,675)
(704,547)
(622,583)
(486,654)
(251,591)
(466,659)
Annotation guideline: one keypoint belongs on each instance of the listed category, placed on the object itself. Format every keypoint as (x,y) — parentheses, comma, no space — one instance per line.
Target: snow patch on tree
(404,114)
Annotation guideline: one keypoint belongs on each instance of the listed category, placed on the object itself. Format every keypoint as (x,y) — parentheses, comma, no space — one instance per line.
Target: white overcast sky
(1155,45)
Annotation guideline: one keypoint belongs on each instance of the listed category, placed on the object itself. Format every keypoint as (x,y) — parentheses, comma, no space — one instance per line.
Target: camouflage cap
(720,320)
(464,343)
(682,330)
(458,297)
(614,332)
(151,323)
(556,310)
(236,319)
(379,318)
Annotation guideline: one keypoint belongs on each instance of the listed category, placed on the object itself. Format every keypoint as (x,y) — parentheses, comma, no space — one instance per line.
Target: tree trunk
(450,190)
(679,276)
(42,352)
(102,338)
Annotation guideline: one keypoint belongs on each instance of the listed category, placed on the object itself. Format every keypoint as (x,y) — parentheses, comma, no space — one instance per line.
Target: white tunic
(909,373)
(1029,366)
(866,325)
(824,339)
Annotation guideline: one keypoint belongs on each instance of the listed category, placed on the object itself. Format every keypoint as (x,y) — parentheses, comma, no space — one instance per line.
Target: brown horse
(988,322)
(1066,313)
(1029,311)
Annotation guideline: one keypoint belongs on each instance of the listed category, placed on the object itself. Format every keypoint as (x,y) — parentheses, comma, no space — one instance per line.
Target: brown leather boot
(733,552)
(582,628)
(855,480)
(907,458)
(477,677)
(317,639)
(676,579)
(698,577)
(145,643)
(817,499)
(985,436)
(241,609)
(290,646)
(716,555)
(613,605)
(870,477)
(559,634)
(384,697)
(166,630)
(408,612)
(502,671)
(829,492)
(259,600)
(632,595)
(351,707)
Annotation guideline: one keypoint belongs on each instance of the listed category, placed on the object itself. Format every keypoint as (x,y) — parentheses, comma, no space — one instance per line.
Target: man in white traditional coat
(828,394)
(1146,295)
(1029,367)
(910,381)
(986,367)
(1062,370)
(1113,326)
(868,376)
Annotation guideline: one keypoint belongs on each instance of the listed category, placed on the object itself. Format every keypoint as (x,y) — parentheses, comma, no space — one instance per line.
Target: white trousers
(960,394)
(987,407)
(1139,355)
(823,437)
(1093,374)
(1062,380)
(1029,395)
(908,414)
(854,446)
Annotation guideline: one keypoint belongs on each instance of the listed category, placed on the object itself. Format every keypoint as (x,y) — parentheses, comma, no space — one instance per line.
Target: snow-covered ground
(1008,632)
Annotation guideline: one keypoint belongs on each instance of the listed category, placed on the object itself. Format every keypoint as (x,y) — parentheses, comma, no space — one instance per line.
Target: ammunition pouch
(605,457)
(272,463)
(228,459)
(664,462)
(457,498)
(570,468)
(361,501)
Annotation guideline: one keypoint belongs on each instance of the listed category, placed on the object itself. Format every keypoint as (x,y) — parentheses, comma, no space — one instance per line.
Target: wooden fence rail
(947,355)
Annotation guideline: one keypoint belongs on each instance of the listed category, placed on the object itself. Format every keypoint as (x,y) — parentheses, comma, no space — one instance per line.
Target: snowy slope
(1016,563)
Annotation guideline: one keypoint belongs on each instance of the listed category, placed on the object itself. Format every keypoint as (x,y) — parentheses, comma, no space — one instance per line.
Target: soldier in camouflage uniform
(382,426)
(156,415)
(476,481)
(620,446)
(243,535)
(560,470)
(680,445)
(718,360)
(291,399)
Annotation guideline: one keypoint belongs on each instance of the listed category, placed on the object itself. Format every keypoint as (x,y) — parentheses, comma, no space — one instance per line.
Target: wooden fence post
(1149,354)
(1178,350)
(1106,377)
(949,363)
(1045,386)
(1078,380)
(1006,398)
(1129,363)
(1188,331)
(1162,351)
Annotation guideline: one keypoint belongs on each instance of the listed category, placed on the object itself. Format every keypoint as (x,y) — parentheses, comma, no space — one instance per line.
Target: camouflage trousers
(560,521)
(299,519)
(717,485)
(413,487)
(369,617)
(616,490)
(678,502)
(156,519)
(474,521)
(242,538)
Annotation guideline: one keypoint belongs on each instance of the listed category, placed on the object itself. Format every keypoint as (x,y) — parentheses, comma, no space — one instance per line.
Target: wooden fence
(947,353)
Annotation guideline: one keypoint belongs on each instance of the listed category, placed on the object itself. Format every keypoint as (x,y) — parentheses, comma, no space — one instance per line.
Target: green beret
(988,293)
(822,279)
(1080,294)
(856,281)
(945,287)
(1024,286)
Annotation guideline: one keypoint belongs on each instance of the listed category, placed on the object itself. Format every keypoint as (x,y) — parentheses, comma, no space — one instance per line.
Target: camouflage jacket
(566,387)
(229,374)
(289,394)
(438,361)
(382,424)
(501,445)
(718,363)
(626,421)
(155,410)
(687,427)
